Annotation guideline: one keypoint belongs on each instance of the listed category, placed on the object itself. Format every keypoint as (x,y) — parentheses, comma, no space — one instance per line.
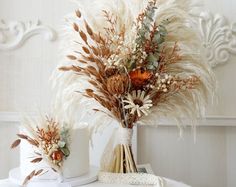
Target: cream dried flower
(138,102)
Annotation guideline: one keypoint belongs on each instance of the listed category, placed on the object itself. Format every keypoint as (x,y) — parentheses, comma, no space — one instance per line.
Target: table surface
(169,183)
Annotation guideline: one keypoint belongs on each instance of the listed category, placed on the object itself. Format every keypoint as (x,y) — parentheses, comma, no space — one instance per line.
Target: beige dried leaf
(88,28)
(82,61)
(33,142)
(38,154)
(22,136)
(91,58)
(86,50)
(36,160)
(93,83)
(90,94)
(89,90)
(28,178)
(71,57)
(93,71)
(38,172)
(95,51)
(15,143)
(70,68)
(105,52)
(76,27)
(76,68)
(83,36)
(78,13)
(95,38)
(65,68)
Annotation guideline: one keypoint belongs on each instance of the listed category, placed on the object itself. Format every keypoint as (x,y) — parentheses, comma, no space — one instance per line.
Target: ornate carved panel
(15,33)
(218,37)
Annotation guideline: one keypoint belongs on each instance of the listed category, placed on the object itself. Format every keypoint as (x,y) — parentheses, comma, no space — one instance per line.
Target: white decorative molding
(15,117)
(223,121)
(14,34)
(219,38)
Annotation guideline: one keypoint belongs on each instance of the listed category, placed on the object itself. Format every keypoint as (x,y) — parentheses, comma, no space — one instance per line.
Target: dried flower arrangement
(50,142)
(136,72)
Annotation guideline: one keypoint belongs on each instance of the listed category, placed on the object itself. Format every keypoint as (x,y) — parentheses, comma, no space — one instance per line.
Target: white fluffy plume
(185,104)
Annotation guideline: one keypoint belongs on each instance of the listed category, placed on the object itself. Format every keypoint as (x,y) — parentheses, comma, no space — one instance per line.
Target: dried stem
(123,160)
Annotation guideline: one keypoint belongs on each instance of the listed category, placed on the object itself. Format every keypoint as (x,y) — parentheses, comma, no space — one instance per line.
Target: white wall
(8,158)
(231,155)
(210,162)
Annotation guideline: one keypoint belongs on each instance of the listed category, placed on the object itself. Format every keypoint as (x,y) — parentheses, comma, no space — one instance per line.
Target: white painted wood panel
(210,162)
(25,71)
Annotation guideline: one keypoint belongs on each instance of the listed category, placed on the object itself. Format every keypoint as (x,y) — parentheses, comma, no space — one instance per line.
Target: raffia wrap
(123,136)
(119,136)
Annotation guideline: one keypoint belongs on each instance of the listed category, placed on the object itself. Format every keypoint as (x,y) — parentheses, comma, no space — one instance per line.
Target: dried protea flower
(118,84)
(140,77)
(111,71)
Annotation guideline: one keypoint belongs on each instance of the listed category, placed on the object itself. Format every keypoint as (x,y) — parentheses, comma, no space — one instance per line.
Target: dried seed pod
(22,136)
(118,84)
(88,28)
(83,36)
(86,50)
(29,177)
(36,160)
(76,27)
(71,57)
(78,13)
(15,143)
(38,172)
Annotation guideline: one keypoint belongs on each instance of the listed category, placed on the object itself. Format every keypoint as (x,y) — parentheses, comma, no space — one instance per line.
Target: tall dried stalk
(123,161)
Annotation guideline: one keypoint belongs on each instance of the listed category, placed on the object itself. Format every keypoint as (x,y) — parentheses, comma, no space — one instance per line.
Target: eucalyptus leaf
(156,37)
(162,30)
(151,58)
(150,16)
(61,144)
(146,27)
(131,65)
(147,35)
(142,31)
(155,64)
(160,40)
(150,67)
(157,54)
(65,151)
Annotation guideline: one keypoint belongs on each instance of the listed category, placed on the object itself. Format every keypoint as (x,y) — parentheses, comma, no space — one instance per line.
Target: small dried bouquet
(50,143)
(137,70)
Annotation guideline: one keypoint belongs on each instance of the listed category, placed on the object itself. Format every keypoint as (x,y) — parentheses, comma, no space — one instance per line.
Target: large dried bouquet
(137,67)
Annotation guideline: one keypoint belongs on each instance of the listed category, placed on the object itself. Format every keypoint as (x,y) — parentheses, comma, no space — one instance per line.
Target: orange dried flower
(57,155)
(117,84)
(140,77)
